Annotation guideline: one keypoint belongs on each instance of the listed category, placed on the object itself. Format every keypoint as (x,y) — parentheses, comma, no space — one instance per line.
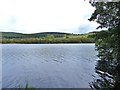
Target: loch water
(48,65)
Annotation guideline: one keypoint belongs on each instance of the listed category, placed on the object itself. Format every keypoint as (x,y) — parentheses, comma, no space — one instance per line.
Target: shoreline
(51,43)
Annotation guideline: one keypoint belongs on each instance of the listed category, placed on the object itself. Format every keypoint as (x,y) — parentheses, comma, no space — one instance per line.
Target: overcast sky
(33,16)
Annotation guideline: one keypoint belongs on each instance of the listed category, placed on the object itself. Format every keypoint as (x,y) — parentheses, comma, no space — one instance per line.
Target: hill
(35,35)
(47,37)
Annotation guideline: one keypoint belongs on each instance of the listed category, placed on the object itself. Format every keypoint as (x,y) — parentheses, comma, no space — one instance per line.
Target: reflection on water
(105,73)
(108,69)
(48,65)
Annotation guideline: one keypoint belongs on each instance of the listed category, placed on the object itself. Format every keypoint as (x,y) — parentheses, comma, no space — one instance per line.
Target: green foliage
(27,87)
(107,14)
(66,36)
(49,36)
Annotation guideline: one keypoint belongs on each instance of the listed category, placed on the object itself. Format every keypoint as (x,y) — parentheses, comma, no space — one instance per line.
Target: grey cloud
(85,28)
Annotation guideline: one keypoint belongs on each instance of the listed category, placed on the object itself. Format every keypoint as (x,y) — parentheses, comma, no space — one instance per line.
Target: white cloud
(31,16)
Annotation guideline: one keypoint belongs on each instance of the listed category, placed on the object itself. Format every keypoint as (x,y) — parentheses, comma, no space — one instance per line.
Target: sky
(34,16)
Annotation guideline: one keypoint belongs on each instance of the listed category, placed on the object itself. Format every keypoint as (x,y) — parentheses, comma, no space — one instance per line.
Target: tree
(49,36)
(107,14)
(66,36)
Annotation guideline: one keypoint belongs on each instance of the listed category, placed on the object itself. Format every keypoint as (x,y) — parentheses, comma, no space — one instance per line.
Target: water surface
(48,65)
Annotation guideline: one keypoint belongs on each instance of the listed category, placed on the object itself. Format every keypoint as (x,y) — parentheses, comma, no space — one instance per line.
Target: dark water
(48,65)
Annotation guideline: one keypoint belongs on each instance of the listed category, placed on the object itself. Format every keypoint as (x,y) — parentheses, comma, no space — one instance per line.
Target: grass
(27,87)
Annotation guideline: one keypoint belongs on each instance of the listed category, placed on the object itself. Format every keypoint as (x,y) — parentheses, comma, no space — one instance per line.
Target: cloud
(32,16)
(88,27)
